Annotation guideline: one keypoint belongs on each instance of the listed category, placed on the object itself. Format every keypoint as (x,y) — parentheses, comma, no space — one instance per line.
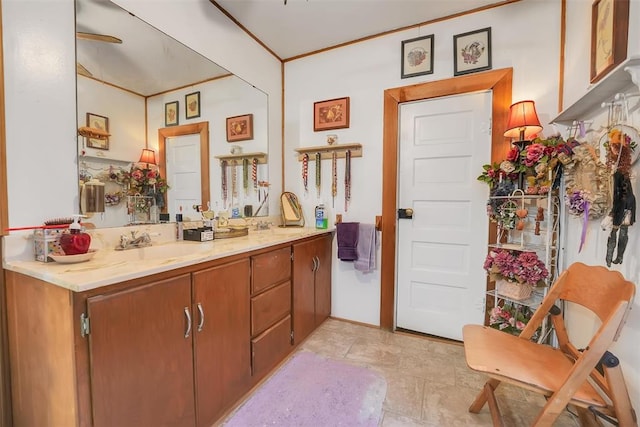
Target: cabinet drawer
(270,268)
(270,306)
(271,347)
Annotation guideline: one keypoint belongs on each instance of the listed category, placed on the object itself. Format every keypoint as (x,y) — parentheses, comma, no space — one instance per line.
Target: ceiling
(148,62)
(303,26)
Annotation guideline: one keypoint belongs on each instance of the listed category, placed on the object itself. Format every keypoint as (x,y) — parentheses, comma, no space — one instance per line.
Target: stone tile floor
(428,381)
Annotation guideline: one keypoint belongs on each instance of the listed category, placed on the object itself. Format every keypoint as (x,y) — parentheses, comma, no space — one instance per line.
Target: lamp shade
(148,156)
(523,120)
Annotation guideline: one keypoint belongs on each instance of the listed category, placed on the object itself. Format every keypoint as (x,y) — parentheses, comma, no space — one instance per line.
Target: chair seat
(515,360)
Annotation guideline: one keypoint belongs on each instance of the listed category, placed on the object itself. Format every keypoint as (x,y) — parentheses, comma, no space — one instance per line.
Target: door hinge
(85,328)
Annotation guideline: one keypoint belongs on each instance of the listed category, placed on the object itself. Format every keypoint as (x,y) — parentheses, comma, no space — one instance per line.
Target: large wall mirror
(148,91)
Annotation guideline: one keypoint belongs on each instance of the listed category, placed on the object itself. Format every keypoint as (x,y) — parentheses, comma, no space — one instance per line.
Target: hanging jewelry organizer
(327,150)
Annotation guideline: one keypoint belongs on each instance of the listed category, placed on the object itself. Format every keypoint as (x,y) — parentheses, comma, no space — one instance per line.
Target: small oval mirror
(291,210)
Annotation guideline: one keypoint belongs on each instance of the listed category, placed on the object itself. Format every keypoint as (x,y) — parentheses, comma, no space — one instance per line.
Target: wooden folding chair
(588,378)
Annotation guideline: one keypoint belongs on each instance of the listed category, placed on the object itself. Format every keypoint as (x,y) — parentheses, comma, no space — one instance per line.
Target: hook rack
(326,151)
(262,157)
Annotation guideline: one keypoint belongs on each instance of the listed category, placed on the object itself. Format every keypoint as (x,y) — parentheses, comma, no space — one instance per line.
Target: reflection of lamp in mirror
(148,156)
(523,122)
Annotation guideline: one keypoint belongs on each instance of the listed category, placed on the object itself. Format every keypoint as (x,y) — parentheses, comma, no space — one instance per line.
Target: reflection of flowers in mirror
(140,180)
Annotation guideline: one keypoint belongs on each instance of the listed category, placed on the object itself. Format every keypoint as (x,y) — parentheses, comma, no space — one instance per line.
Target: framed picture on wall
(171,113)
(331,114)
(192,103)
(472,52)
(101,123)
(240,128)
(609,33)
(417,56)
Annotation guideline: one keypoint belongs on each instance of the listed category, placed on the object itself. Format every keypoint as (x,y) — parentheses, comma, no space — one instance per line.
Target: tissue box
(198,234)
(46,241)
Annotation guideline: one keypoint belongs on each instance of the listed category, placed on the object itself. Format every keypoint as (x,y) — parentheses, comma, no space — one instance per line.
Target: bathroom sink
(157,252)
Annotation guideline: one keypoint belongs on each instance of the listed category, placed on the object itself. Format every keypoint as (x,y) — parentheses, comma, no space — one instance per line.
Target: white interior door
(183,175)
(440,281)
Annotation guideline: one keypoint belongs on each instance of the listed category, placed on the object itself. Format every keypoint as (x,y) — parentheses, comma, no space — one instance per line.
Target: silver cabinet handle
(314,264)
(201,312)
(188,316)
(317,263)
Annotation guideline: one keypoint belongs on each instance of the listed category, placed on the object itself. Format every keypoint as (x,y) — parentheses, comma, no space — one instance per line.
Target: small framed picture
(472,52)
(192,103)
(417,56)
(331,114)
(98,122)
(240,128)
(609,34)
(171,113)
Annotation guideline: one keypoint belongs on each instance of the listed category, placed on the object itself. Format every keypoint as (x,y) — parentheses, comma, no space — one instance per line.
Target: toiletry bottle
(180,227)
(75,242)
(321,221)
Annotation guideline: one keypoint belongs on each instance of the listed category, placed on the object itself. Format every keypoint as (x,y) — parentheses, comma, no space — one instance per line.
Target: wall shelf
(621,78)
(326,151)
(262,157)
(104,159)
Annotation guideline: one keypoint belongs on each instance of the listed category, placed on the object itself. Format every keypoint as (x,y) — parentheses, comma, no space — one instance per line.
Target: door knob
(405,213)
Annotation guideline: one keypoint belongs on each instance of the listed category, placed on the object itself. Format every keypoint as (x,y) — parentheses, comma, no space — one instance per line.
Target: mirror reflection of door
(183,172)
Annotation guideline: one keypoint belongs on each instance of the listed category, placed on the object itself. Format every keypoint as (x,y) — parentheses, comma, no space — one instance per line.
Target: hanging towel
(347,240)
(367,242)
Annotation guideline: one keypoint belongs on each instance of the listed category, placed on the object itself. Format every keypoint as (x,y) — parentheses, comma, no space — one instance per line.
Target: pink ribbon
(585,222)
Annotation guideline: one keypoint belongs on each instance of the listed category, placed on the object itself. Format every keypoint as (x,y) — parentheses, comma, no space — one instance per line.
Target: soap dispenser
(75,242)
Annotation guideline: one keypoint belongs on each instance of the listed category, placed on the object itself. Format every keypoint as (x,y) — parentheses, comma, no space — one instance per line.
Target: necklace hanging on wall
(334,178)
(223,182)
(305,172)
(347,179)
(254,173)
(234,182)
(318,174)
(245,176)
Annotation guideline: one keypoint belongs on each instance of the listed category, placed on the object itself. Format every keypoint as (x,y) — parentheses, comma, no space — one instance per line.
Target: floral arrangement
(140,180)
(510,318)
(577,202)
(516,266)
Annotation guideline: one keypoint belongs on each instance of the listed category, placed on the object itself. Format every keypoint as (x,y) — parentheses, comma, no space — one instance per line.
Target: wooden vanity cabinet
(311,285)
(270,310)
(141,357)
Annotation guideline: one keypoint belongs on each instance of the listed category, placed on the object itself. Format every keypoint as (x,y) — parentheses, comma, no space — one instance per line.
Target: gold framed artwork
(609,34)
(192,105)
(472,52)
(240,128)
(417,56)
(171,114)
(98,122)
(331,114)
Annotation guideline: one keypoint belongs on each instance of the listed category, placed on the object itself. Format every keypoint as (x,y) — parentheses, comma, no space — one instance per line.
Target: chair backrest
(595,287)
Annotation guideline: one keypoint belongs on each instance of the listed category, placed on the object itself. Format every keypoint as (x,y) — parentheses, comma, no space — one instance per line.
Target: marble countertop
(109,266)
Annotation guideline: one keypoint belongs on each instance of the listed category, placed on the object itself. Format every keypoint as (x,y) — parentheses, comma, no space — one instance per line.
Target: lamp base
(521,145)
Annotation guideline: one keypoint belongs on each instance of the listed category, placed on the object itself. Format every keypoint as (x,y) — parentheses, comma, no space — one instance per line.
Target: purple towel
(367,242)
(347,240)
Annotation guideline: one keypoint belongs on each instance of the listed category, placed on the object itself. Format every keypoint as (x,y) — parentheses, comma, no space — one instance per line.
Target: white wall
(363,71)
(576,85)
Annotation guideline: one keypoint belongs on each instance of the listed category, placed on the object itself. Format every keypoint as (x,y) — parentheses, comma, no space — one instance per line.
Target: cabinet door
(141,361)
(222,338)
(323,279)
(304,265)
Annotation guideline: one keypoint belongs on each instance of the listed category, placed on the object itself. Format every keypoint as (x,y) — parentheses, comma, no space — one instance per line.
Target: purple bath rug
(310,390)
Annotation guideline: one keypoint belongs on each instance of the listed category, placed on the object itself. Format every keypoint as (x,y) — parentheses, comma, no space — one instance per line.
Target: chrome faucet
(133,241)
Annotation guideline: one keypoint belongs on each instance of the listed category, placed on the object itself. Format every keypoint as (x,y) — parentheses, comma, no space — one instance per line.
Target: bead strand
(318,174)
(305,172)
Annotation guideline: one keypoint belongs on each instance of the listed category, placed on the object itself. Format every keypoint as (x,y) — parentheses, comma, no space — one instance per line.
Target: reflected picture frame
(417,56)
(472,51)
(171,114)
(331,114)
(192,105)
(609,36)
(240,128)
(98,122)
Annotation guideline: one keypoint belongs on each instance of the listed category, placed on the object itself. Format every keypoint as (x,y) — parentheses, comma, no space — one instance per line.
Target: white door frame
(499,81)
